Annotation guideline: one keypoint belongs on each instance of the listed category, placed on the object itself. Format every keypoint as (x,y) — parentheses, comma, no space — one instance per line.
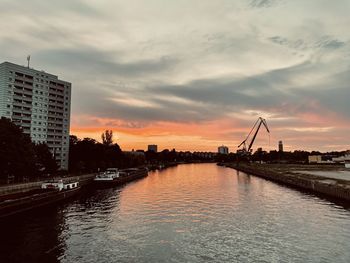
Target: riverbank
(11,191)
(18,198)
(85,179)
(306,177)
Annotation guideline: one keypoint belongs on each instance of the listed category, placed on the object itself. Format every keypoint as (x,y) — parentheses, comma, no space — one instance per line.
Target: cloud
(89,60)
(200,69)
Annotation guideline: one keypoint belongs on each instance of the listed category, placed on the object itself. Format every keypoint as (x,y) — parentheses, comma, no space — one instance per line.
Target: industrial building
(40,104)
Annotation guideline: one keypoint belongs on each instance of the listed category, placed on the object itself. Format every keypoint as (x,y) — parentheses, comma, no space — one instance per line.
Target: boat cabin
(59,185)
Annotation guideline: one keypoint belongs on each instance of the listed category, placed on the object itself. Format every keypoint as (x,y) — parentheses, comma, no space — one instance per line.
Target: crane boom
(258,125)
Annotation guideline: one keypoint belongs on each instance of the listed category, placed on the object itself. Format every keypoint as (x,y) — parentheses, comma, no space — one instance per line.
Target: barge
(114,177)
(50,192)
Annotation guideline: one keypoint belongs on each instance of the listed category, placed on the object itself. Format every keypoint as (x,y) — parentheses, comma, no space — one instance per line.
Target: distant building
(39,103)
(280,146)
(321,159)
(315,159)
(341,159)
(153,148)
(223,149)
(204,155)
(134,153)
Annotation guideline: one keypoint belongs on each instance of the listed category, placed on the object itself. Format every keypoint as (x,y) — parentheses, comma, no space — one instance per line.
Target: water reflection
(33,237)
(189,213)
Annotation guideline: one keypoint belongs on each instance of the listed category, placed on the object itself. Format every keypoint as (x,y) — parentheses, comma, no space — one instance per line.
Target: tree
(107,137)
(88,155)
(45,161)
(17,156)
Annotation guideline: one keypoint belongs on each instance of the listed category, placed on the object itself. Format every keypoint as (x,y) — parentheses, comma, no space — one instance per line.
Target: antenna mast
(28,59)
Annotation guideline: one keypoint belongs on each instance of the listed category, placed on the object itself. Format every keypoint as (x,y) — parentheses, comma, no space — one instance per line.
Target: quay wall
(318,185)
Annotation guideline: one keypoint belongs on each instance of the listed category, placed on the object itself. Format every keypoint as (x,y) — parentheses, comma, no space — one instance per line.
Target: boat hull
(16,206)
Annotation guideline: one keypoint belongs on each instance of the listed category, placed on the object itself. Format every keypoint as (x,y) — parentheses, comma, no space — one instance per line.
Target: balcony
(23,98)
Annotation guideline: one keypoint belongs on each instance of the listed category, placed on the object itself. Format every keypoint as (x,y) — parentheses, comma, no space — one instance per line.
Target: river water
(189,213)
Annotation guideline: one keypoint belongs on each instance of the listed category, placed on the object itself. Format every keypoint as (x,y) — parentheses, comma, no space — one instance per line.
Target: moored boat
(50,192)
(114,177)
(110,175)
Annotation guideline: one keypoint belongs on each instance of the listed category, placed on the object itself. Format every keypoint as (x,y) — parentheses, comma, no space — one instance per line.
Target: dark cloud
(88,60)
(210,99)
(333,95)
(262,3)
(327,42)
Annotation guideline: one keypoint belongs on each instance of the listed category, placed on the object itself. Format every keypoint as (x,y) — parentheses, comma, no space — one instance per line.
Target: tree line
(88,155)
(20,158)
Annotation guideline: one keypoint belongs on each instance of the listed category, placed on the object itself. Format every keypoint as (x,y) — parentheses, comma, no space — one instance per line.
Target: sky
(193,74)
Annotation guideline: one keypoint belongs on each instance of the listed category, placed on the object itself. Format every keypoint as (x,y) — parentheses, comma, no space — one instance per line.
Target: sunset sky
(193,74)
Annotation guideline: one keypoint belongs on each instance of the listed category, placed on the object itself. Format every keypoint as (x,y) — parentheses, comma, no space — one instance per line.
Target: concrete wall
(326,187)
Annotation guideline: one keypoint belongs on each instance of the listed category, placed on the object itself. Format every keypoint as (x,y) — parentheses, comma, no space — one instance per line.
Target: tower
(280,146)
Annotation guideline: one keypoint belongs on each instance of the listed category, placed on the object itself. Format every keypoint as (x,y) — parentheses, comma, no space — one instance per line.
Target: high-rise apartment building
(39,103)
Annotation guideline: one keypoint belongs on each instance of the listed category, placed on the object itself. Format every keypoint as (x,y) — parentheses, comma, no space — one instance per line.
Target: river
(188,213)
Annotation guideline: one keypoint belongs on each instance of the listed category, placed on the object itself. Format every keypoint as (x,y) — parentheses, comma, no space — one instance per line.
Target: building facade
(153,148)
(280,146)
(223,149)
(40,104)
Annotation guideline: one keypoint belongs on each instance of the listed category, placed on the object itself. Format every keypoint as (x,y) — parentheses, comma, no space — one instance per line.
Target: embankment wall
(327,187)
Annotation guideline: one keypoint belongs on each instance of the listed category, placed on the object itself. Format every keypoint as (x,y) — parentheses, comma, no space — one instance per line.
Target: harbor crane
(247,150)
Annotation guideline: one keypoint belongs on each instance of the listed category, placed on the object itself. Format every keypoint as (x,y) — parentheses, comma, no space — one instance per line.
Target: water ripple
(191,213)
